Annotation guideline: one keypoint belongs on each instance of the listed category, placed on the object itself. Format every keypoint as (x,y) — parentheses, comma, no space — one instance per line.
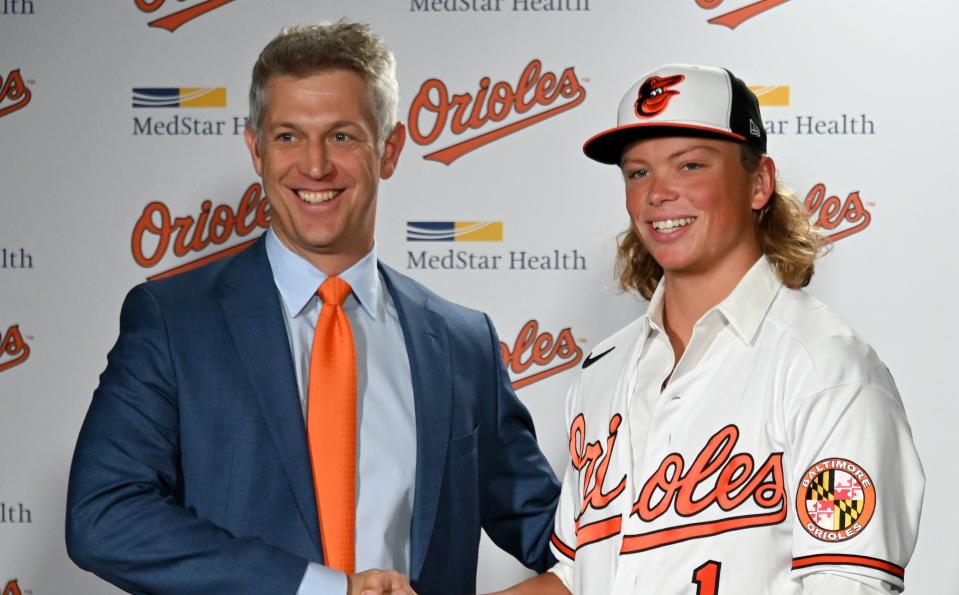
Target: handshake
(378,582)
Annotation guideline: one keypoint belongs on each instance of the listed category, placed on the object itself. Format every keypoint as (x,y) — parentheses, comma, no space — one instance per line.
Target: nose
(660,190)
(315,161)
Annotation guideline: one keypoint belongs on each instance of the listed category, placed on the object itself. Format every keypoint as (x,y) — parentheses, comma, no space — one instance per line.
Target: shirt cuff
(320,580)
(565,574)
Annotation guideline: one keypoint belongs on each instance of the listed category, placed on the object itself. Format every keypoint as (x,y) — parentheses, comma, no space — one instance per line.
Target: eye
(692,166)
(284,137)
(636,173)
(341,137)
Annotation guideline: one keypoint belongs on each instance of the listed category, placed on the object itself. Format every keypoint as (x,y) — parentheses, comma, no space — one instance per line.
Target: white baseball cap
(682,99)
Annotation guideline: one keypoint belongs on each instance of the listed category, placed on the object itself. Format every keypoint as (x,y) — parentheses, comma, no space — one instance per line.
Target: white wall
(75,178)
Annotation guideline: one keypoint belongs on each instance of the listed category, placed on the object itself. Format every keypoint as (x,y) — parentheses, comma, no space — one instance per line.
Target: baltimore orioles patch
(836,500)
(655,93)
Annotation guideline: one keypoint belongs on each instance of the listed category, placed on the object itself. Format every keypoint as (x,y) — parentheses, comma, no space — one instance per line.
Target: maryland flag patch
(836,500)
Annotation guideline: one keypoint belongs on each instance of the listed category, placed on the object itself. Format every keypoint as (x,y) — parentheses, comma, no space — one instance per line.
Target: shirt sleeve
(563,540)
(321,580)
(564,572)
(857,480)
(824,583)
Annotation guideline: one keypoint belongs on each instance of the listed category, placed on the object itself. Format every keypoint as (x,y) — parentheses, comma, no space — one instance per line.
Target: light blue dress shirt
(386,422)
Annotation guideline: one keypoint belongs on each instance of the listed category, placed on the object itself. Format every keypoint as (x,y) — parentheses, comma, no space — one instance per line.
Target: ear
(392,148)
(764,183)
(250,138)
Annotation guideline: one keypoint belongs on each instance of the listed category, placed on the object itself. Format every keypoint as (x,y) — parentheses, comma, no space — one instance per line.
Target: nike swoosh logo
(590,360)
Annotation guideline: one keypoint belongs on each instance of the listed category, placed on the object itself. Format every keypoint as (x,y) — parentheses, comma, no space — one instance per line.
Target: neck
(688,296)
(333,263)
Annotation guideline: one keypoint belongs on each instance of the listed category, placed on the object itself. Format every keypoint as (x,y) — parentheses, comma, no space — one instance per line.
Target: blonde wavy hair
(786,237)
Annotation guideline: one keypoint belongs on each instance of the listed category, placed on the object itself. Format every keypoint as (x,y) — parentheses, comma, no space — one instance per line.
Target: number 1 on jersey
(706,578)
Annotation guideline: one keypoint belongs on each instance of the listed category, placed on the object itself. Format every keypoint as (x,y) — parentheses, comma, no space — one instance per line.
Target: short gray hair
(305,50)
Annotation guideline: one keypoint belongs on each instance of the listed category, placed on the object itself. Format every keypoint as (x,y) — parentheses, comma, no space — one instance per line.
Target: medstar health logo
(454,231)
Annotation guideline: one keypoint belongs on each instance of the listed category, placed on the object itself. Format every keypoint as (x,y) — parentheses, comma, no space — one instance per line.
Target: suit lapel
(425,334)
(254,316)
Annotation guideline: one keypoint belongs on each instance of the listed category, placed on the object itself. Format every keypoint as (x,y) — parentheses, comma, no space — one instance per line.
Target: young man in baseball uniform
(738,438)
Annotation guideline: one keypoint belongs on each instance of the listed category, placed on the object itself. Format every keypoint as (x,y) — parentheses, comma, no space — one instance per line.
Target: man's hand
(378,582)
(544,584)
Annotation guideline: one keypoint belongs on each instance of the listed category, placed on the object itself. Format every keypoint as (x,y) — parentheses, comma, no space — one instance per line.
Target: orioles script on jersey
(733,479)
(492,103)
(592,461)
(156,229)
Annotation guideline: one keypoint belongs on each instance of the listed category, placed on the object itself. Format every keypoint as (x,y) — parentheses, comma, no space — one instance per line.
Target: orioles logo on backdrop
(434,110)
(14,93)
(655,93)
(157,231)
(537,355)
(730,480)
(835,218)
(737,17)
(12,588)
(836,500)
(13,349)
(176,19)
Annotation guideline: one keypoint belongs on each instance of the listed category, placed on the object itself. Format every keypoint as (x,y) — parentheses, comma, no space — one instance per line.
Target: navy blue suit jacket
(192,475)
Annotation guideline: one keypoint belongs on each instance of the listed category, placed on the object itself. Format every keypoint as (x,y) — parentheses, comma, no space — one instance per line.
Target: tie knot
(334,291)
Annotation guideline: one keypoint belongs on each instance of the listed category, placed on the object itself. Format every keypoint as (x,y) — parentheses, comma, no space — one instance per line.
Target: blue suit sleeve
(522,491)
(125,518)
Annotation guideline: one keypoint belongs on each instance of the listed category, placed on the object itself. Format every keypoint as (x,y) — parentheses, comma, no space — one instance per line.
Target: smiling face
(691,204)
(321,164)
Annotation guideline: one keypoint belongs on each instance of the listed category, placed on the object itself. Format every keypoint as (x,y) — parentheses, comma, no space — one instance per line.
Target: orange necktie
(331,426)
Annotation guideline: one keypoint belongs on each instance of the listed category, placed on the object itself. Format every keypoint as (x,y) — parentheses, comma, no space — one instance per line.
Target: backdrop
(121,158)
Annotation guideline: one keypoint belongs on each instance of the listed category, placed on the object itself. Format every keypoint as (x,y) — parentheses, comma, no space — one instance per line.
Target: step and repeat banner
(122,159)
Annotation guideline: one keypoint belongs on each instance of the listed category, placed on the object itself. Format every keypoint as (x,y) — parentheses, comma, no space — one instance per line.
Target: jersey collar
(744,309)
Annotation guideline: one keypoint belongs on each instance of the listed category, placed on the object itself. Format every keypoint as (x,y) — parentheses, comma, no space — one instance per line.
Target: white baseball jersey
(778,448)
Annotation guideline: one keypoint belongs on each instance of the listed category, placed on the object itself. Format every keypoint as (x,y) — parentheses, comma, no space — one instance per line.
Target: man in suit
(200,465)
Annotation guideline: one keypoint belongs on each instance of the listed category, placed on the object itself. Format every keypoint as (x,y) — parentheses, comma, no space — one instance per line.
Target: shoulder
(603,367)
(407,292)
(201,287)
(811,338)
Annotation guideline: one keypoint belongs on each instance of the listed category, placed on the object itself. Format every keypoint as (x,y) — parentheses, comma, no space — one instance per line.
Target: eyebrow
(672,156)
(693,148)
(332,126)
(283,125)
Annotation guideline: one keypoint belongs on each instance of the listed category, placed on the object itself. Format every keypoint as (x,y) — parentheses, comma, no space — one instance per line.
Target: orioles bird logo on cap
(655,93)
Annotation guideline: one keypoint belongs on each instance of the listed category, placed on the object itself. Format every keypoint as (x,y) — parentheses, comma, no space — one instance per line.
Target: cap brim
(607,146)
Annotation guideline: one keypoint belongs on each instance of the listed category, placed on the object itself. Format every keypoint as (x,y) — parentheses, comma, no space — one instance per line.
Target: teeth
(317,197)
(671,225)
